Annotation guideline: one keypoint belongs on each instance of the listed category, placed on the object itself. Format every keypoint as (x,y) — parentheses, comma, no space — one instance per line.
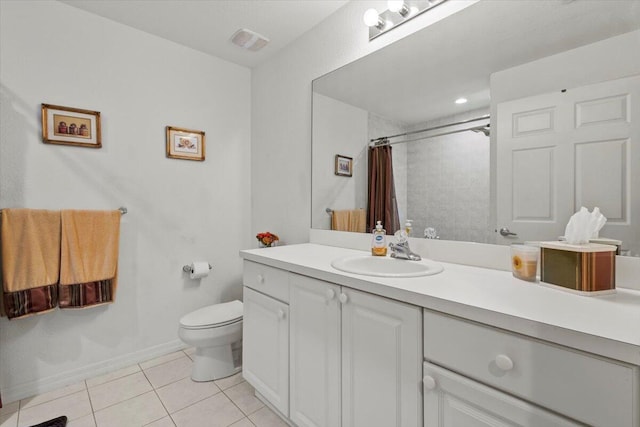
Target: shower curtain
(382,204)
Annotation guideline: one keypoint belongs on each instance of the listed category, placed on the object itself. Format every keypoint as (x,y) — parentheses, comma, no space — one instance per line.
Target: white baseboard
(53,382)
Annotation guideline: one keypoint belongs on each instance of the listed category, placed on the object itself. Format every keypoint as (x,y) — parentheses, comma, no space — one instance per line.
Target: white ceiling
(416,79)
(207,25)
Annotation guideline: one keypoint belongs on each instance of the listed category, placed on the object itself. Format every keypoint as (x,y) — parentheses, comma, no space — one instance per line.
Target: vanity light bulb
(395,5)
(371,18)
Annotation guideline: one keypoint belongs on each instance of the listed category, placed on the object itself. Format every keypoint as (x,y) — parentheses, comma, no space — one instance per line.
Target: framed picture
(344,165)
(70,126)
(185,144)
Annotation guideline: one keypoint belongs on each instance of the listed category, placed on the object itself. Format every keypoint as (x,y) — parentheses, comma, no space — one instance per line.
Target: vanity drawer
(268,280)
(587,388)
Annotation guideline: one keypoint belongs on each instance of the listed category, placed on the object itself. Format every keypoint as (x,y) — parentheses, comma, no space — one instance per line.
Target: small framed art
(185,144)
(344,165)
(70,126)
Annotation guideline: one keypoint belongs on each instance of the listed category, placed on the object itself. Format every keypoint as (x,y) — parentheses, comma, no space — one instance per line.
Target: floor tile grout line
(159,398)
(20,408)
(93,413)
(164,363)
(232,401)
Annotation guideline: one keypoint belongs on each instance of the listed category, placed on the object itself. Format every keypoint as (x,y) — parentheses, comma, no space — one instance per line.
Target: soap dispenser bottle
(408,227)
(379,241)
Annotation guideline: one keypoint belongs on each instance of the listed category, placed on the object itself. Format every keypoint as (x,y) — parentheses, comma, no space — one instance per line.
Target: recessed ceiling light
(461,101)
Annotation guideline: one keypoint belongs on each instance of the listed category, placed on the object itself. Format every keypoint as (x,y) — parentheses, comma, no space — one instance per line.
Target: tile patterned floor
(156,393)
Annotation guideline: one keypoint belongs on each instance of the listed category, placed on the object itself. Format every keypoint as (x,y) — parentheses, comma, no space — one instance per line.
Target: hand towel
(340,220)
(358,221)
(30,261)
(88,258)
(349,220)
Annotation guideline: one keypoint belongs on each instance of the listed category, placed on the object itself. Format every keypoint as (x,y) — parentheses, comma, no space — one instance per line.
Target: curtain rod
(382,139)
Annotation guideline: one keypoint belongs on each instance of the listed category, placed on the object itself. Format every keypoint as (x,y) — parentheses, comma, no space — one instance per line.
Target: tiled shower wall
(448,183)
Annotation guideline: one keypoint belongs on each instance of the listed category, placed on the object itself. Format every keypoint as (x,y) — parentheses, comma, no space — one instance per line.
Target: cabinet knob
(280,314)
(429,382)
(259,278)
(331,294)
(343,298)
(504,362)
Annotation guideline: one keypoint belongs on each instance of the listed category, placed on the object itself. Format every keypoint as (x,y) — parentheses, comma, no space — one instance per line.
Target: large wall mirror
(551,122)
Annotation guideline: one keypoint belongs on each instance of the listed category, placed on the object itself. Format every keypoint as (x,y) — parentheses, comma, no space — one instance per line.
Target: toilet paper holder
(189,269)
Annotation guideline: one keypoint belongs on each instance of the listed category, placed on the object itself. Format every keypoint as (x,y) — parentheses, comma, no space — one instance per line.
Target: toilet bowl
(216,333)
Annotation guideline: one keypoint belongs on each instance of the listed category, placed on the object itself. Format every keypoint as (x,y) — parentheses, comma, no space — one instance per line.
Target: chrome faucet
(401,250)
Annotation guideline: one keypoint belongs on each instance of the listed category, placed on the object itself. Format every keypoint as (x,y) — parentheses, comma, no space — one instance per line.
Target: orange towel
(349,220)
(30,261)
(358,221)
(89,257)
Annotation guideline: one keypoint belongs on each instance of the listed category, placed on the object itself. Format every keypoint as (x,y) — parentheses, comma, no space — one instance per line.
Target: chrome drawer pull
(259,278)
(343,298)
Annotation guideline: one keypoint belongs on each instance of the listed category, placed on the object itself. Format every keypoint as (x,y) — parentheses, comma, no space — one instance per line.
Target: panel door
(560,151)
(451,400)
(314,352)
(381,362)
(265,343)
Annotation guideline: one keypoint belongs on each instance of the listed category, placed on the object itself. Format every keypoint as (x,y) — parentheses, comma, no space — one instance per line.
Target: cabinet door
(315,352)
(381,362)
(265,343)
(451,400)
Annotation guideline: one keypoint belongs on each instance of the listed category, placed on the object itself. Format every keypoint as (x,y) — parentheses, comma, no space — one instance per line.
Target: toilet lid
(213,315)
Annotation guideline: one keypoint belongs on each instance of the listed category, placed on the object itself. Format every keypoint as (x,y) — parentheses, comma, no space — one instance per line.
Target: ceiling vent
(249,40)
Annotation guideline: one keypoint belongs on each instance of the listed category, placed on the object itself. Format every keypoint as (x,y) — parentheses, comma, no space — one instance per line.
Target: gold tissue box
(588,269)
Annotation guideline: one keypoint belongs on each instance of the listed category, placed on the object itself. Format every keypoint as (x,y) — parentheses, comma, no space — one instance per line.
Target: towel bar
(122,210)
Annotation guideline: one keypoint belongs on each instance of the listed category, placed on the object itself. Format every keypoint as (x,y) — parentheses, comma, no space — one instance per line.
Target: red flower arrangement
(267,239)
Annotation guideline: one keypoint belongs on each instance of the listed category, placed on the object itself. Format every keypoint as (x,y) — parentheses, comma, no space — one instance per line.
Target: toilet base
(213,363)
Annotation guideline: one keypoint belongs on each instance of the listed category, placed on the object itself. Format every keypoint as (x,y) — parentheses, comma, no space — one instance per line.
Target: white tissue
(199,269)
(584,225)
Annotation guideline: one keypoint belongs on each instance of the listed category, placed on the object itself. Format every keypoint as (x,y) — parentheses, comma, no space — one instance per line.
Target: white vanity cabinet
(356,358)
(265,339)
(584,387)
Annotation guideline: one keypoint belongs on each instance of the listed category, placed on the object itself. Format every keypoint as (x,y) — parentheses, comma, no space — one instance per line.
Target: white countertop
(607,325)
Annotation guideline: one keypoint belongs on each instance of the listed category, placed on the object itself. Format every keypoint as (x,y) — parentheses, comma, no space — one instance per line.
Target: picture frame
(71,126)
(344,165)
(186,144)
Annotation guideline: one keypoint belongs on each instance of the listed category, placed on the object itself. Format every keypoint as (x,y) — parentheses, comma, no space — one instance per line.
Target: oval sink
(386,266)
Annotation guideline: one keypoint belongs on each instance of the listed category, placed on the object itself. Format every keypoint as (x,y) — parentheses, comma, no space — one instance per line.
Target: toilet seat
(213,316)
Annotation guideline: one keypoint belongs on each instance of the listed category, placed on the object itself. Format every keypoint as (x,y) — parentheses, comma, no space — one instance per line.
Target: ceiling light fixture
(461,101)
(399,12)
(371,18)
(249,40)
(398,6)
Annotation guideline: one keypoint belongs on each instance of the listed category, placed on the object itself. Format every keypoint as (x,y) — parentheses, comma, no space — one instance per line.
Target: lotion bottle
(379,241)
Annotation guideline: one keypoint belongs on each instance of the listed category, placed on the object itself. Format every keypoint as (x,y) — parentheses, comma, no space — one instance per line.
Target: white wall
(281,109)
(608,59)
(339,129)
(179,210)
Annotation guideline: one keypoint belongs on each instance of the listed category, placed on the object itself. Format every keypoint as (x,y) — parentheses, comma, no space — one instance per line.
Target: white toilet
(216,333)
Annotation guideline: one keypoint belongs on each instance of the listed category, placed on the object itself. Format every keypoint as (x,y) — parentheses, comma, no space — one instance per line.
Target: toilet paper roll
(199,269)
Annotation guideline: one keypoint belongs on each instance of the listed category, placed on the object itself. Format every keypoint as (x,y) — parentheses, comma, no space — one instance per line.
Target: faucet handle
(401,235)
